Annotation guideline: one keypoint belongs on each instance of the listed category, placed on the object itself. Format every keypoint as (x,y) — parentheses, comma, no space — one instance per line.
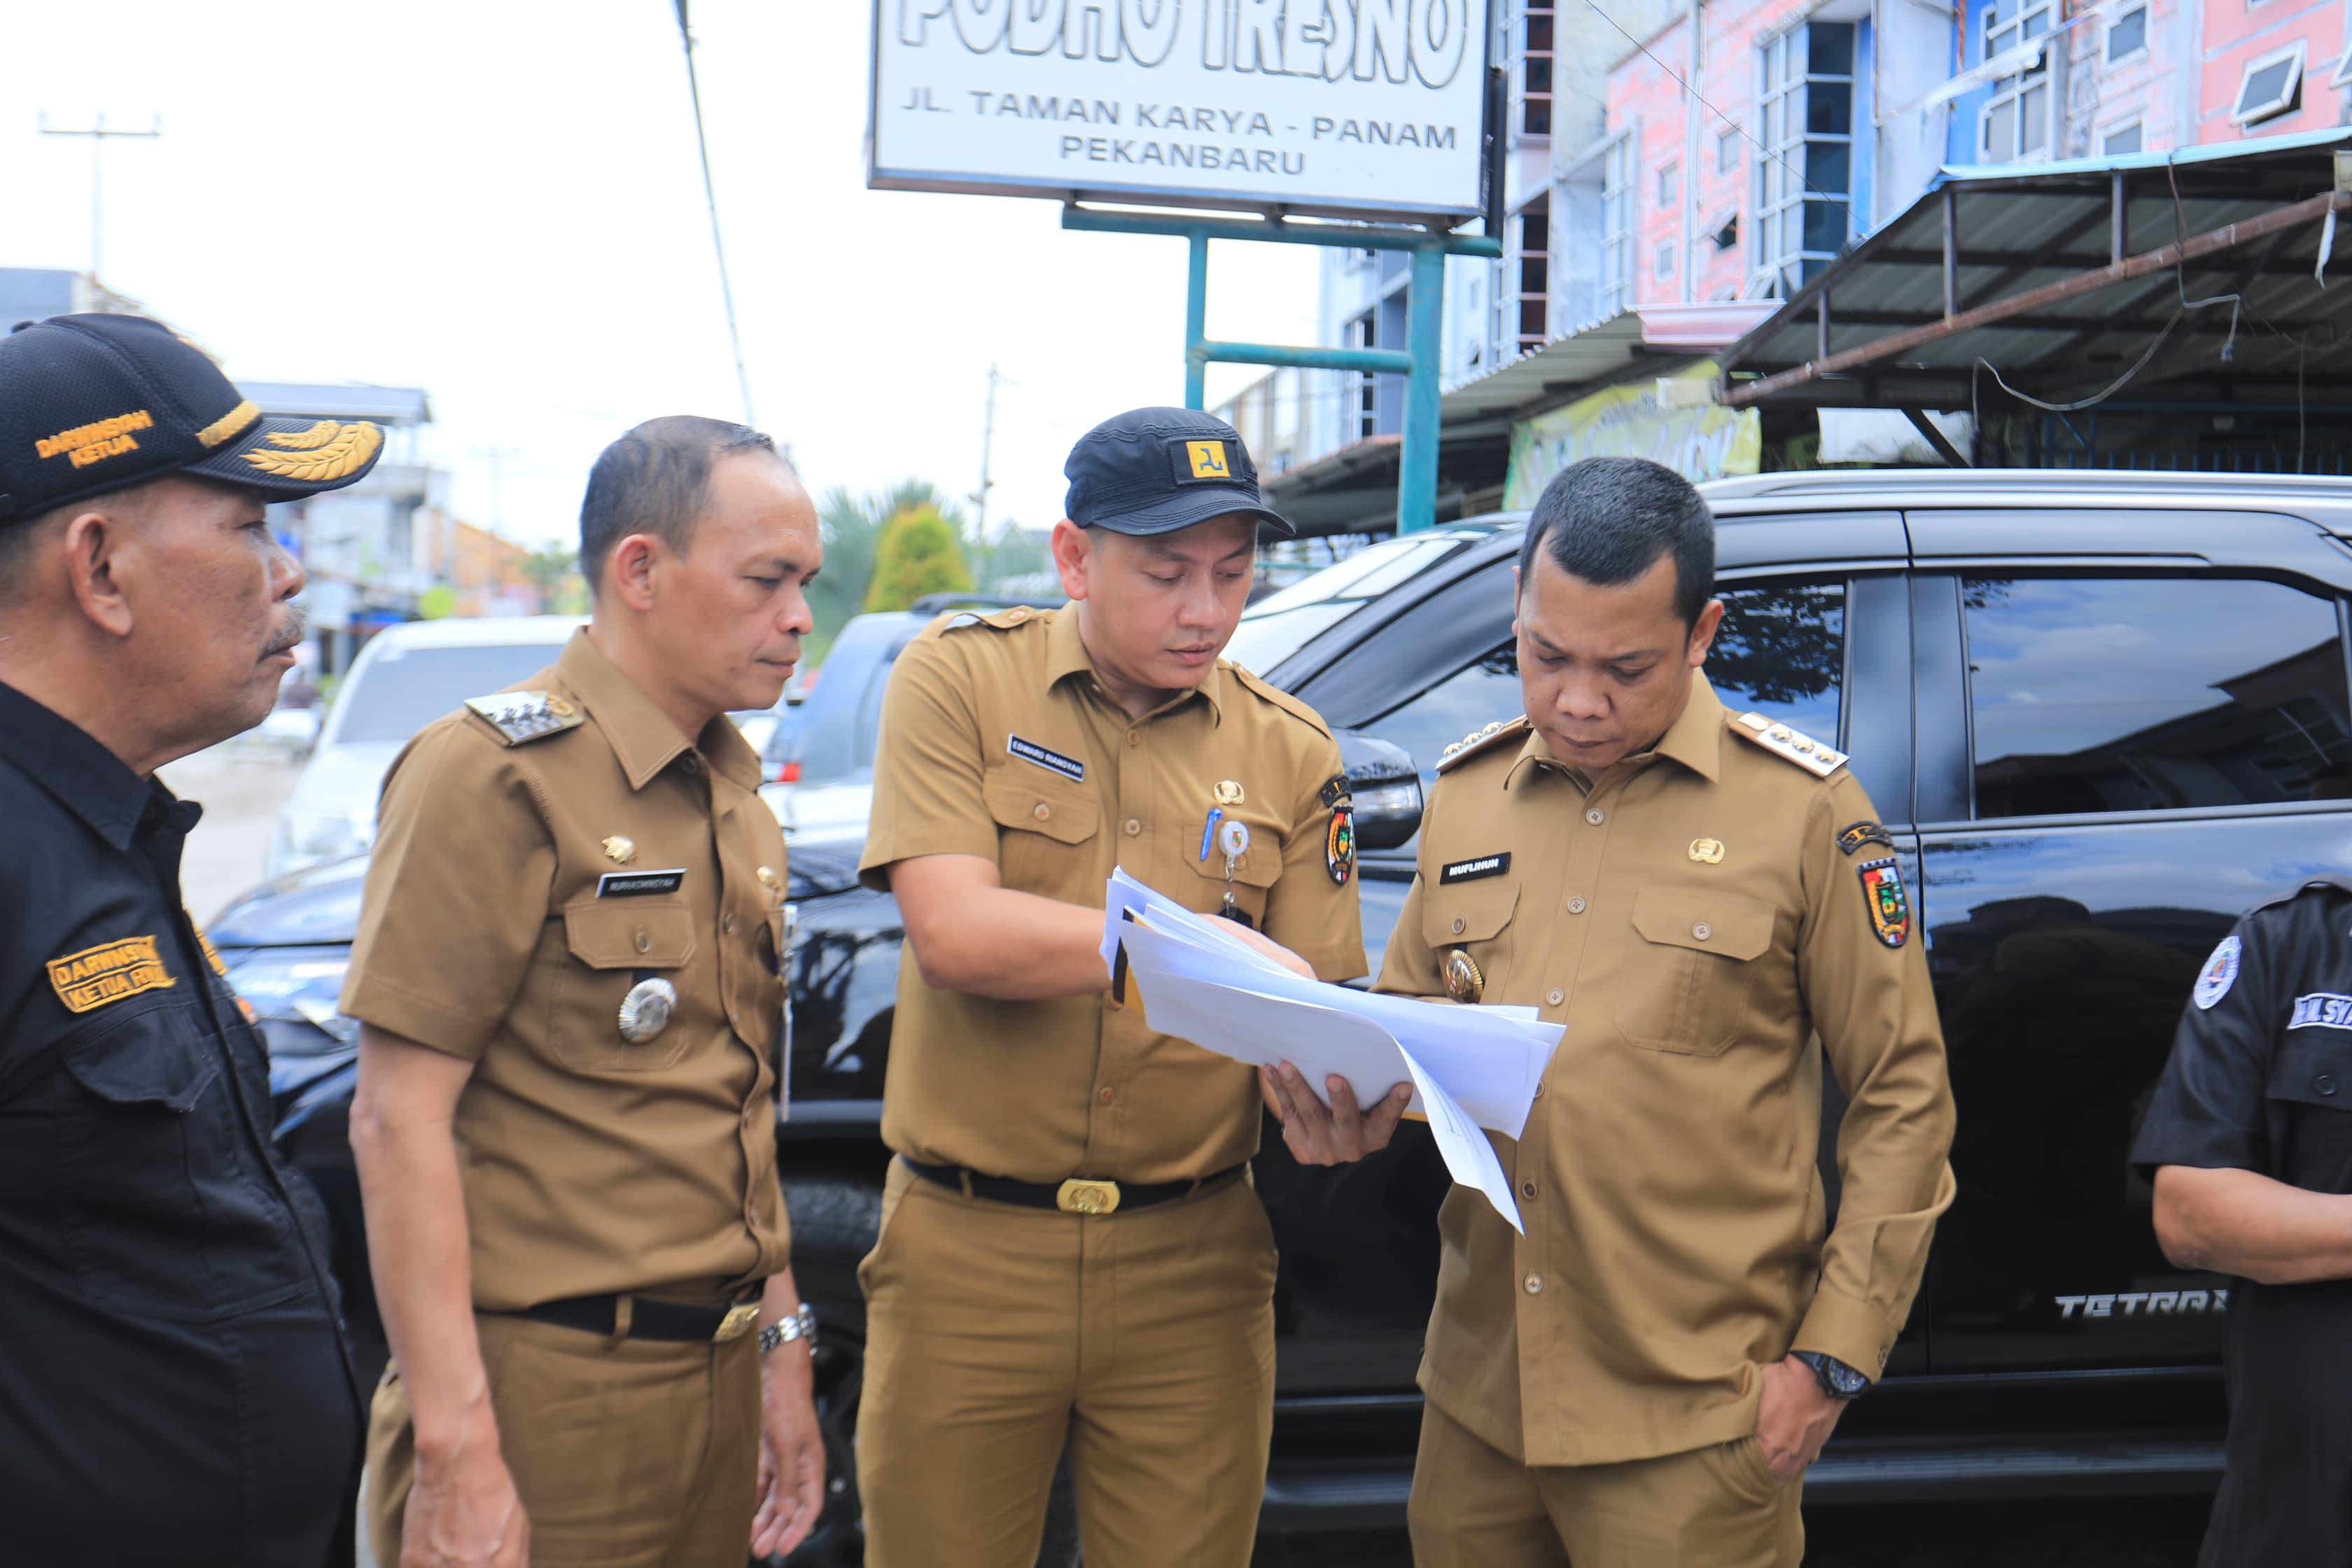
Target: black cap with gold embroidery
(1155,470)
(97,403)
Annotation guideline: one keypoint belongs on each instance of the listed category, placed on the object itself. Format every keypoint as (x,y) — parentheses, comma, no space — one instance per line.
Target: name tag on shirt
(638,884)
(1471,871)
(1052,761)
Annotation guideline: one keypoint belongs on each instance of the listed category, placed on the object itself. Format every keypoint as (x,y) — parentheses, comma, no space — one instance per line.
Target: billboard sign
(1347,107)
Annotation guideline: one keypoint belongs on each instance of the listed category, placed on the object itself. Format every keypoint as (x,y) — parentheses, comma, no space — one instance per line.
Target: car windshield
(1281,624)
(405,689)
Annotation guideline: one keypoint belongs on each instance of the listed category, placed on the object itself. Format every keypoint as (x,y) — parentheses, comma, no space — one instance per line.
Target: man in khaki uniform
(1696,894)
(1071,1252)
(569,975)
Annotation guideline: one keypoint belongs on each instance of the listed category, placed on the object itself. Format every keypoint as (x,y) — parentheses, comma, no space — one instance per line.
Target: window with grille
(1804,178)
(1523,287)
(1616,225)
(2014,126)
(1526,47)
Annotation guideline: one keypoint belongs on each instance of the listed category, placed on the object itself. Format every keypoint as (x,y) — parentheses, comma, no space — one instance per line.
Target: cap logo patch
(1208,460)
(88,444)
(96,976)
(327,450)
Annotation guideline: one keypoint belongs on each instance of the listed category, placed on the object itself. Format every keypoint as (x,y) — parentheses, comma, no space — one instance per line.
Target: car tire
(834,1222)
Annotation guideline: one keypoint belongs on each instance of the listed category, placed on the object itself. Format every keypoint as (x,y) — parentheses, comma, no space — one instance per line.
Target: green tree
(852,525)
(919,552)
(555,572)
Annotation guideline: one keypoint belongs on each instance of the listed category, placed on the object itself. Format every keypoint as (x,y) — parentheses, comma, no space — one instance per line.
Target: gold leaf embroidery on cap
(229,424)
(344,451)
(316,436)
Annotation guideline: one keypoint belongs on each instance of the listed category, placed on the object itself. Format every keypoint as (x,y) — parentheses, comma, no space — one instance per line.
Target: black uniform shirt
(2261,1079)
(169,1348)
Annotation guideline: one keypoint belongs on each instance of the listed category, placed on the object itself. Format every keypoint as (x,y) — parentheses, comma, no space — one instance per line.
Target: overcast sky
(498,201)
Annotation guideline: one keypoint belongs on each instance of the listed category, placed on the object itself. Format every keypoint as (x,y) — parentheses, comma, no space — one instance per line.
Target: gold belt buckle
(1079,1196)
(741,1319)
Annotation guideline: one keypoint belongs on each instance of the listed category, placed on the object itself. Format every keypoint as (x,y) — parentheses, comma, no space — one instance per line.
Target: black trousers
(233,1444)
(2286,1493)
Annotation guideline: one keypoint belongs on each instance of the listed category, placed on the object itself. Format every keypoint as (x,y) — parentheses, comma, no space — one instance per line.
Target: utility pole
(99,135)
(711,200)
(987,442)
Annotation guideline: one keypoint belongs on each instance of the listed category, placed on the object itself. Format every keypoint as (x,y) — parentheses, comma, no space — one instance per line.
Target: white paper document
(1471,1068)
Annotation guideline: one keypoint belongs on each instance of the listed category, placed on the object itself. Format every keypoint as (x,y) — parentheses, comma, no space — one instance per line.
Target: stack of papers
(1471,1068)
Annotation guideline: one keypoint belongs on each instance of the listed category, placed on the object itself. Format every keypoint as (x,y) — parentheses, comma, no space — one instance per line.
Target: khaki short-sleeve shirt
(1696,915)
(997,741)
(519,892)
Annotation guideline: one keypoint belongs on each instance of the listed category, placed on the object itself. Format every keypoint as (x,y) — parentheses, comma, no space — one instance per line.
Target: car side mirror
(1387,787)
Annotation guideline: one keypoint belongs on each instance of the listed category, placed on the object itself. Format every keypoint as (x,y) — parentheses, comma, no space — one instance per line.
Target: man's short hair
(19,540)
(1607,519)
(657,480)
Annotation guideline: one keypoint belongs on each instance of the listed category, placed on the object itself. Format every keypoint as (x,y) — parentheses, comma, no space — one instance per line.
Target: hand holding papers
(1471,1068)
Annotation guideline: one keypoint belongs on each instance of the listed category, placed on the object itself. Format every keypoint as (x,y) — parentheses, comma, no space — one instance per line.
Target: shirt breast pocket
(2310,1091)
(1044,830)
(1477,919)
(157,1201)
(1690,969)
(614,944)
(1254,872)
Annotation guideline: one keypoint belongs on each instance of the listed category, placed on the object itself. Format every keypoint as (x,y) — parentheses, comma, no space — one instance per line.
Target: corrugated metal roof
(2020,229)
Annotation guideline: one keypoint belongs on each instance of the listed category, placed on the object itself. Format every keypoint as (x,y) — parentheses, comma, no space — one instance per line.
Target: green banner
(1705,442)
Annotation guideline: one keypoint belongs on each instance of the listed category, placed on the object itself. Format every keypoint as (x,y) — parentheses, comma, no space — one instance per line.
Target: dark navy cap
(1155,470)
(99,402)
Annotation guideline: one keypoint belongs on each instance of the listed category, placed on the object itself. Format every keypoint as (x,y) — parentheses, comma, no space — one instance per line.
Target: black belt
(649,1319)
(1077,1195)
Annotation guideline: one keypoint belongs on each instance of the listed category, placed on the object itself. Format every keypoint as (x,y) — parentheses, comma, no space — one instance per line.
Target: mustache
(298,626)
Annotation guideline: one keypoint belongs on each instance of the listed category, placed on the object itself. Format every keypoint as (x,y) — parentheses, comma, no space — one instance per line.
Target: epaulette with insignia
(1790,745)
(1003,620)
(1477,741)
(1279,698)
(519,716)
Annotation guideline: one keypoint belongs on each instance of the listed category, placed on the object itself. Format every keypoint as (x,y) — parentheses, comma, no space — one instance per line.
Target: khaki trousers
(628,1453)
(1719,1506)
(997,1335)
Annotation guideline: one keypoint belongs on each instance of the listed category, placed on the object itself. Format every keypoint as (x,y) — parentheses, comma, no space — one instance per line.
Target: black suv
(2102,714)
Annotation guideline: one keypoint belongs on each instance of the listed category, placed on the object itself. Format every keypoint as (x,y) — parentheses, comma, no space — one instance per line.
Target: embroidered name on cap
(1052,761)
(2321,1010)
(96,976)
(87,444)
(1471,871)
(638,884)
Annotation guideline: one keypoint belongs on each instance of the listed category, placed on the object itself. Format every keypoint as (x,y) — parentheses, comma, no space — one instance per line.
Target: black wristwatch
(1838,1380)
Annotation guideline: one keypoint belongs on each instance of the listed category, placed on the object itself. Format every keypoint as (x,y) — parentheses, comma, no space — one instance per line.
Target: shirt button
(1539,1088)
(726,923)
(1701,930)
(1107,1094)
(1576,906)
(1596,816)
(1135,737)
(1132,827)
(1042,811)
(641,942)
(1555,996)
(1458,927)
(2324,1083)
(1535,1284)
(693,763)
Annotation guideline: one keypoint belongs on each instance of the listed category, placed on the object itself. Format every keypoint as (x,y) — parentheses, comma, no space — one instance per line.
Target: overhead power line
(710,201)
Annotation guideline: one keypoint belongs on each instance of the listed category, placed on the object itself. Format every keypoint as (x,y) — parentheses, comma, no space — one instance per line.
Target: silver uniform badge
(644,1011)
(519,716)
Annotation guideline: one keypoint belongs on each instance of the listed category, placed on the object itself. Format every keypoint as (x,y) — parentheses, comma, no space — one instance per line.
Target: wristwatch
(801,1325)
(1838,1380)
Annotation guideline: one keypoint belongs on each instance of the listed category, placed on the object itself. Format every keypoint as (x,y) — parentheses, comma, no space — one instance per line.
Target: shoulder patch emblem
(1854,834)
(1890,905)
(2220,972)
(519,716)
(1477,741)
(98,976)
(1339,844)
(1790,745)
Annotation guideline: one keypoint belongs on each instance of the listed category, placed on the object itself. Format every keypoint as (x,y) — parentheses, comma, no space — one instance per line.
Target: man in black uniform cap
(174,1387)
(2249,1140)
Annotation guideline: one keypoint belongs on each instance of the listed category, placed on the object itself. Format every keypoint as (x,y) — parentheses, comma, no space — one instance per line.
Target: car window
(1781,651)
(2137,694)
(405,689)
(1281,624)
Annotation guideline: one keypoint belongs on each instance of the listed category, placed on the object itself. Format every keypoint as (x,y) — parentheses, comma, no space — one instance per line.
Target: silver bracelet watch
(801,1325)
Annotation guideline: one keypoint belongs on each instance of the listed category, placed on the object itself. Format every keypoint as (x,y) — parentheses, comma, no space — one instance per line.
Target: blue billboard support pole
(1417,463)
